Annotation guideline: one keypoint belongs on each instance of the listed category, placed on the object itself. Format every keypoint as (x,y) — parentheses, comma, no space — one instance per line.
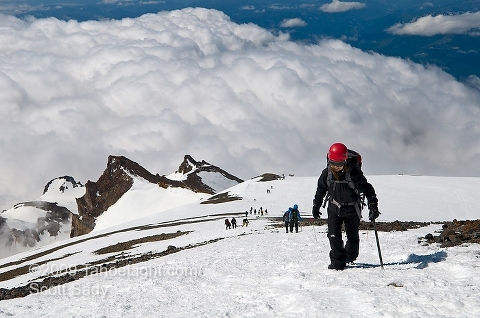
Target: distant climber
(227,224)
(294,218)
(286,218)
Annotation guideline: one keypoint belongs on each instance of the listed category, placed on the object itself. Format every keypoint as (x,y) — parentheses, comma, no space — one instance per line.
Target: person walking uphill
(228,225)
(286,218)
(294,218)
(343,184)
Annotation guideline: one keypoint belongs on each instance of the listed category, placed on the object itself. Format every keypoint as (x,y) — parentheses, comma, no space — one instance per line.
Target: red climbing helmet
(338,152)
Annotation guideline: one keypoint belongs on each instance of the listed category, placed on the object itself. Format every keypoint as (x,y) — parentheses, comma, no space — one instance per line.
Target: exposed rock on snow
(395,226)
(270,177)
(456,233)
(221,198)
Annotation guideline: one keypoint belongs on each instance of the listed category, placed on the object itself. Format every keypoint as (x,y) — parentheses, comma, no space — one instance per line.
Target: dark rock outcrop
(270,177)
(100,195)
(456,233)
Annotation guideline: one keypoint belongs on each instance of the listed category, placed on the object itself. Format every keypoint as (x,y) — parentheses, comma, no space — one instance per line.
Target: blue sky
(444,33)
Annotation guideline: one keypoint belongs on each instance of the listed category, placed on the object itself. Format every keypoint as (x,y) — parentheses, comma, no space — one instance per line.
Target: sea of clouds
(160,86)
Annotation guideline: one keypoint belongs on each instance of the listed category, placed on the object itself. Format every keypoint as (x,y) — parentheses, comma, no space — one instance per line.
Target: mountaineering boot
(341,268)
(350,259)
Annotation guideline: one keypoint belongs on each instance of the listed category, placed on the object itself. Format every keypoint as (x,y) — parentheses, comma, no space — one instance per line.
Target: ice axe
(378,243)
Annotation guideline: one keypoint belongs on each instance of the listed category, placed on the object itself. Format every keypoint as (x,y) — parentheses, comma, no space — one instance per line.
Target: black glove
(373,208)
(316,212)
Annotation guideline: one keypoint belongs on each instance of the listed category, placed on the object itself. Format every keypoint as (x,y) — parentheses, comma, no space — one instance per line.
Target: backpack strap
(359,204)
(329,183)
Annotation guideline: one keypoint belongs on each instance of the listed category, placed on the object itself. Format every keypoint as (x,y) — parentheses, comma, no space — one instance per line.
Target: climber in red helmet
(344,185)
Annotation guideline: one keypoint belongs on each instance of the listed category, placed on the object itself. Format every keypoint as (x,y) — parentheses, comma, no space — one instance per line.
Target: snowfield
(259,270)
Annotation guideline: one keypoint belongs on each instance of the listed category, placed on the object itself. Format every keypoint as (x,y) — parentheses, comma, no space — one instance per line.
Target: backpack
(286,216)
(294,215)
(354,162)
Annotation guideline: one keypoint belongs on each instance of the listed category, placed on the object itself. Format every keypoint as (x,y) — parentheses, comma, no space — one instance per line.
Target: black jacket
(342,192)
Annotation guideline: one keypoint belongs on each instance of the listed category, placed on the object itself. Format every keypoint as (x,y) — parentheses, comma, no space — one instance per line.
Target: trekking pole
(378,243)
(314,233)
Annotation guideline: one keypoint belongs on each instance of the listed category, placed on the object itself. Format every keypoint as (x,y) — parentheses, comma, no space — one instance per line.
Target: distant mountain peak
(61,184)
(116,163)
(189,164)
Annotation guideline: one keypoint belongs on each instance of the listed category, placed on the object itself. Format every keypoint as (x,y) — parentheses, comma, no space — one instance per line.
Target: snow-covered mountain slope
(138,192)
(182,262)
(42,221)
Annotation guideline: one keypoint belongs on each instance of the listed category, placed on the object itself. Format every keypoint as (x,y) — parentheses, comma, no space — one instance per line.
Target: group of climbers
(291,217)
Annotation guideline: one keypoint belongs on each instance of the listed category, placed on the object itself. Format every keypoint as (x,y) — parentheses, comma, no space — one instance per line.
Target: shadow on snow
(422,260)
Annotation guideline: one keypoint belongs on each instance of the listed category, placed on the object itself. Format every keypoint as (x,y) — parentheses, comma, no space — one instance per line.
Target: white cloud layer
(467,23)
(160,86)
(341,6)
(292,23)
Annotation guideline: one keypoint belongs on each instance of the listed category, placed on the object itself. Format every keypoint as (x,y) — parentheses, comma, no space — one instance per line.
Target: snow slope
(261,271)
(143,199)
(401,197)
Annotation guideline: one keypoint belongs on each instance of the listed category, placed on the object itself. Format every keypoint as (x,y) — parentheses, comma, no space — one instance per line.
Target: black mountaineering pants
(292,223)
(340,254)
